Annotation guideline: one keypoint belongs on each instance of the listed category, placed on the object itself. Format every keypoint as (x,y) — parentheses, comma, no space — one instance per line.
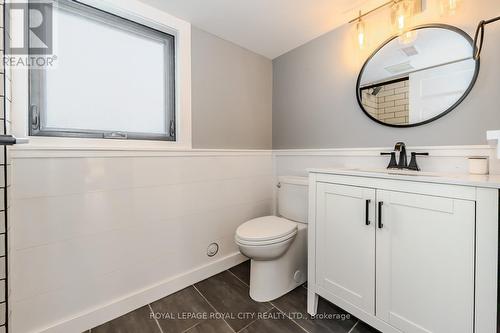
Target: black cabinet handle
(367,212)
(380,224)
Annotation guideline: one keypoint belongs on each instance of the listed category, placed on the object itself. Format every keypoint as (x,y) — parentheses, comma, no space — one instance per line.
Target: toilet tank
(293,198)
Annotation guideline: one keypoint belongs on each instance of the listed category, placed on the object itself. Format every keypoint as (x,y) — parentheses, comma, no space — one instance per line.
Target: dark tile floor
(221,304)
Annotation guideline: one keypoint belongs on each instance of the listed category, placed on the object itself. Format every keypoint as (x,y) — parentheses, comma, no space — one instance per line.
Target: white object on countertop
(478,165)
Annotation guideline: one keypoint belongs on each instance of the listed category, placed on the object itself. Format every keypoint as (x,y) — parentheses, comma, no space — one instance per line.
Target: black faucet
(413,161)
(403,162)
(403,159)
(392,164)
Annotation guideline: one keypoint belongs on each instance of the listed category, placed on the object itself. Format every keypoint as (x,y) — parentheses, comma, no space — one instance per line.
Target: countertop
(487,181)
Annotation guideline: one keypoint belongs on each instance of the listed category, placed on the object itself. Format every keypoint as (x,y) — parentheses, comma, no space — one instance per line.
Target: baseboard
(121,306)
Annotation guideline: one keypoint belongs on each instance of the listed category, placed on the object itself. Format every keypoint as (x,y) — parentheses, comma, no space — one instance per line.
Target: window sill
(37,143)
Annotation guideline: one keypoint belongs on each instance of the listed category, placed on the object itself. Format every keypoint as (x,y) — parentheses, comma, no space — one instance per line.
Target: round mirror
(419,77)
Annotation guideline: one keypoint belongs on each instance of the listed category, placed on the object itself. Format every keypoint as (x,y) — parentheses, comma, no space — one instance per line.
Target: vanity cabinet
(402,255)
(425,262)
(346,243)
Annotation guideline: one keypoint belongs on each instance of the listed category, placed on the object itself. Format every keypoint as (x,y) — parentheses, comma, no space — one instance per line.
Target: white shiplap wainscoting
(96,234)
(446,159)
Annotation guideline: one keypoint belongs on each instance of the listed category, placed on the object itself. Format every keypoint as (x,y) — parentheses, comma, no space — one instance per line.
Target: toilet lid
(266,228)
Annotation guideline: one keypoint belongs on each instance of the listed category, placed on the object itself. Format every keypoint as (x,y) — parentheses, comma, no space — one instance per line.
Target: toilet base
(273,278)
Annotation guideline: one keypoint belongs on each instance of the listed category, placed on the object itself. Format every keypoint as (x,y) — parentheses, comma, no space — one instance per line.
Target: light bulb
(360,27)
(401,22)
(402,13)
(453,4)
(449,7)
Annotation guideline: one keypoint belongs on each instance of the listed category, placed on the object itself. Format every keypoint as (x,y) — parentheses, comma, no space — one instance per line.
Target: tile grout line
(352,328)
(213,307)
(156,320)
(253,321)
(190,327)
(289,318)
(238,278)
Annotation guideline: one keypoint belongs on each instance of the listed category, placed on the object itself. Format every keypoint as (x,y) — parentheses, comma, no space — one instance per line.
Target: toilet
(277,245)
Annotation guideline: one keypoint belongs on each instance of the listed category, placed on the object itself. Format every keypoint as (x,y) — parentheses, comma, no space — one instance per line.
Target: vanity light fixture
(402,12)
(360,29)
(402,15)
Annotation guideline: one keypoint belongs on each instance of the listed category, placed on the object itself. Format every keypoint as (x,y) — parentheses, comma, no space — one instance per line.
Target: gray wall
(314,102)
(231,95)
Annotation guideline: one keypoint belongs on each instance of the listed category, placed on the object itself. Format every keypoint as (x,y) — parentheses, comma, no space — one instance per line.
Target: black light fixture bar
(479,36)
(373,10)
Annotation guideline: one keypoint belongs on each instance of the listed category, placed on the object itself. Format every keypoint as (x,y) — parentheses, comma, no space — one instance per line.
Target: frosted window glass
(109,77)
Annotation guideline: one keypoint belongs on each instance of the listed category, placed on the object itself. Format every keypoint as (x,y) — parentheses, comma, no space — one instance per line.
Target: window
(114,78)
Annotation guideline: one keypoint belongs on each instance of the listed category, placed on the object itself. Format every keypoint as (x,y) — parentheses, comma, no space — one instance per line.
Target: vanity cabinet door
(345,247)
(425,263)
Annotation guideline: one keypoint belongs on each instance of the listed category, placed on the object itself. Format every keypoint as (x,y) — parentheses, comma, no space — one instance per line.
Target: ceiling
(267,27)
(434,47)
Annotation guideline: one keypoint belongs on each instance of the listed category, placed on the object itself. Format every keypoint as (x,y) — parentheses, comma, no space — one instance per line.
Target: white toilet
(277,246)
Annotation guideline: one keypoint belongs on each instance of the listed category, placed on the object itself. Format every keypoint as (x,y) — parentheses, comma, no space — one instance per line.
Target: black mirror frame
(460,100)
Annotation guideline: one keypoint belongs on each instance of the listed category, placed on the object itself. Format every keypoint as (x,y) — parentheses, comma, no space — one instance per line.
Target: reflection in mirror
(407,84)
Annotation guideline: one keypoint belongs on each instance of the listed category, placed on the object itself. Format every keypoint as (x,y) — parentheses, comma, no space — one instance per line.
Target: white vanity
(403,251)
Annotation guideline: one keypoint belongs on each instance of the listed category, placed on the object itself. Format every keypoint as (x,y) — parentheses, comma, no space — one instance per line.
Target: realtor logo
(30,28)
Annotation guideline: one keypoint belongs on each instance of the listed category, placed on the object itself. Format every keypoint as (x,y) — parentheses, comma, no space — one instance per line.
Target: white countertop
(488,181)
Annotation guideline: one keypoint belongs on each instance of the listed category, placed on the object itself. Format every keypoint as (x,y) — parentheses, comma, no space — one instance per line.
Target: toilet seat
(265,231)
